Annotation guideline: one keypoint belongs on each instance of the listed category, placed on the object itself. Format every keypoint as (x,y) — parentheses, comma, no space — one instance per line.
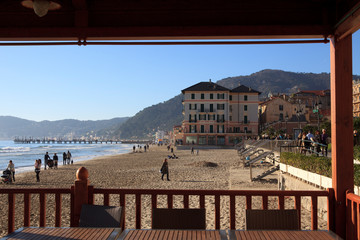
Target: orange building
(215,115)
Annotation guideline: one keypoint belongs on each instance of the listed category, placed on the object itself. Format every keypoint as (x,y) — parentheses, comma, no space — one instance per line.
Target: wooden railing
(352,216)
(135,201)
(27,193)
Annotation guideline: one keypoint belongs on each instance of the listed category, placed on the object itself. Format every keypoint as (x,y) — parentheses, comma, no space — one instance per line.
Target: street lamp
(298,114)
(317,107)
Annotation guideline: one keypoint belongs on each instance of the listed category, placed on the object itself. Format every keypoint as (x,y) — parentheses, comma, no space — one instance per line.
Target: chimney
(210,80)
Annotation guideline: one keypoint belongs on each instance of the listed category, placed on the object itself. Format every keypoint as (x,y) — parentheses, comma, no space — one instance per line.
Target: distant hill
(13,126)
(145,123)
(277,81)
(165,115)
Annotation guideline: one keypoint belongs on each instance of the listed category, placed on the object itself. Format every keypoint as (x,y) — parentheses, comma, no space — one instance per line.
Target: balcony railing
(137,201)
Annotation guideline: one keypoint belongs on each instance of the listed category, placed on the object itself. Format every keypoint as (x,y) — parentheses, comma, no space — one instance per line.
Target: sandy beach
(141,170)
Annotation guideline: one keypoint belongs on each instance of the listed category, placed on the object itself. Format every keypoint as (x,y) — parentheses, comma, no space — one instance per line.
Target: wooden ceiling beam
(81,13)
(165,32)
(349,23)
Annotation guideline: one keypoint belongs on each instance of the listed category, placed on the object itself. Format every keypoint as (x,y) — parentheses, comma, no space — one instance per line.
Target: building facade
(356,98)
(215,115)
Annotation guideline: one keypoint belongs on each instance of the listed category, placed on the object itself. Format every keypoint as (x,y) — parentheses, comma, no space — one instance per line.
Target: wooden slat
(248,201)
(232,212)
(122,204)
(26,209)
(11,213)
(265,201)
(298,207)
(138,210)
(330,210)
(186,201)
(42,210)
(170,201)
(58,210)
(91,194)
(314,216)
(106,199)
(202,201)
(353,219)
(217,211)
(281,202)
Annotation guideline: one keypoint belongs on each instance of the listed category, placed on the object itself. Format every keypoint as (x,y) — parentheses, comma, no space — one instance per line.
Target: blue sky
(103,82)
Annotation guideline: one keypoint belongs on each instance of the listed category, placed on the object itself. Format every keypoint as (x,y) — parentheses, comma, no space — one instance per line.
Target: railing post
(80,193)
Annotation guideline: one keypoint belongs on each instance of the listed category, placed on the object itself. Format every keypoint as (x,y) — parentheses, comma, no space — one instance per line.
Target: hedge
(315,164)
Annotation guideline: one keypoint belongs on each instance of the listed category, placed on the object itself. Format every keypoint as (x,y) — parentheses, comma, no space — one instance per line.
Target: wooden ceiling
(179,19)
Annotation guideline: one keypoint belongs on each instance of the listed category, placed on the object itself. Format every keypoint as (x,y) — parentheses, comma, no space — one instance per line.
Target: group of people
(314,143)
(49,163)
(146,147)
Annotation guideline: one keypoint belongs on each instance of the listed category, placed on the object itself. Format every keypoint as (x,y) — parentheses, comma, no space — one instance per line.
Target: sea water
(24,155)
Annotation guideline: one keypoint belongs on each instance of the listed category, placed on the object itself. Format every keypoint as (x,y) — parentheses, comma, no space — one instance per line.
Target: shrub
(315,164)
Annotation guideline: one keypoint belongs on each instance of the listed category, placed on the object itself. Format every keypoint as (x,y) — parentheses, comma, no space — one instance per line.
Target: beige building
(356,98)
(215,115)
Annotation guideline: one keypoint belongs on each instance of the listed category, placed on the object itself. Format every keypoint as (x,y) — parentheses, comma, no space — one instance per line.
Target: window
(202,96)
(230,118)
(230,97)
(245,119)
(211,117)
(220,106)
(245,107)
(245,129)
(211,107)
(202,108)
(202,117)
(281,117)
(220,129)
(221,96)
(202,128)
(193,128)
(192,106)
(230,108)
(281,107)
(211,96)
(245,98)
(193,96)
(211,128)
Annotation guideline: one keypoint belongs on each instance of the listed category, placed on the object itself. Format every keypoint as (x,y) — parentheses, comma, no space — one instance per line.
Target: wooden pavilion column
(341,127)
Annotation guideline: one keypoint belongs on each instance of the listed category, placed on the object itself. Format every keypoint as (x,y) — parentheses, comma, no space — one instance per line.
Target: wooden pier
(76,141)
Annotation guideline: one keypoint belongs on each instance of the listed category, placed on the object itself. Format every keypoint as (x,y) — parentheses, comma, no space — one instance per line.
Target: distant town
(215,115)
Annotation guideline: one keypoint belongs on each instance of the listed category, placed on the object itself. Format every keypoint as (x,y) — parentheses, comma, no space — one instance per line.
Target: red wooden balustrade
(352,216)
(27,192)
(83,193)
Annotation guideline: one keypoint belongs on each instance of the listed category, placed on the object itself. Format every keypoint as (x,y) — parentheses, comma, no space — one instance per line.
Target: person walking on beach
(37,169)
(192,150)
(165,170)
(55,158)
(68,157)
(134,148)
(46,158)
(64,158)
(11,167)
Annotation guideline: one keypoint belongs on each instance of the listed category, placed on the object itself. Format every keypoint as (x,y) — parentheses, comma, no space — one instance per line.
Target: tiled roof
(315,92)
(244,89)
(205,86)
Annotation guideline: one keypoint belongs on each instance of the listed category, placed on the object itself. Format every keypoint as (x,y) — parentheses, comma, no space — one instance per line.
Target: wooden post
(80,193)
(341,127)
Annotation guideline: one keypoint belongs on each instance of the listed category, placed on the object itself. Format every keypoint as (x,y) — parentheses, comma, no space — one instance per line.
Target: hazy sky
(103,82)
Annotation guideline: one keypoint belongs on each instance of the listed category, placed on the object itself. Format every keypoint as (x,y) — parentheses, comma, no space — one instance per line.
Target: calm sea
(24,155)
